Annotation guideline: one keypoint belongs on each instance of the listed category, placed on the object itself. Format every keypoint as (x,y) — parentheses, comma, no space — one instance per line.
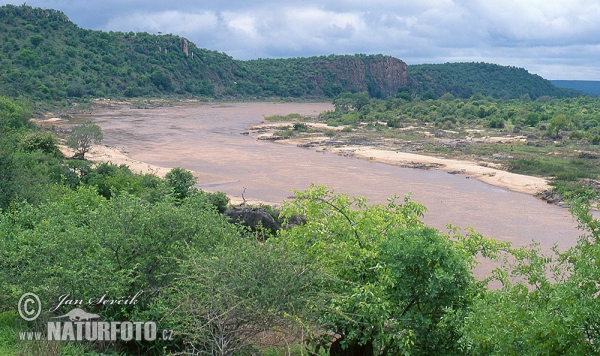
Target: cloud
(176,22)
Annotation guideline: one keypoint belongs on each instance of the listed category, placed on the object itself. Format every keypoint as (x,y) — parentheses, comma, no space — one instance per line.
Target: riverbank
(383,151)
(484,172)
(114,155)
(386,151)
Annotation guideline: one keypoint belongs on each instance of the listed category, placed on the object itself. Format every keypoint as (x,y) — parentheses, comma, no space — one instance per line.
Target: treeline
(47,58)
(448,112)
(342,277)
(463,80)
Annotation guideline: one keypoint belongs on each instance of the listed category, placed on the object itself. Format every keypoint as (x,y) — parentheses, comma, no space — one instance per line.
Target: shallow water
(208,138)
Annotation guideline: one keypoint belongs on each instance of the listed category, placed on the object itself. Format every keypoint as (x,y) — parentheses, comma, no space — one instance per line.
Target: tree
(395,287)
(83,136)
(229,295)
(551,309)
(351,101)
(558,123)
(180,181)
(12,115)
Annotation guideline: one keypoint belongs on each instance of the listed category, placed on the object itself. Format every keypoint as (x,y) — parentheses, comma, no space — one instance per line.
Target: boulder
(253,217)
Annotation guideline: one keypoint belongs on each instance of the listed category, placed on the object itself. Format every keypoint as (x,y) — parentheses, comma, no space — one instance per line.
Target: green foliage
(13,116)
(393,284)
(552,311)
(463,80)
(180,181)
(43,141)
(227,296)
(557,124)
(300,127)
(351,101)
(83,136)
(87,246)
(496,123)
(109,179)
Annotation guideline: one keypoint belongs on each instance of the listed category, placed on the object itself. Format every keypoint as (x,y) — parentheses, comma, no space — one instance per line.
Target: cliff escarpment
(379,75)
(330,75)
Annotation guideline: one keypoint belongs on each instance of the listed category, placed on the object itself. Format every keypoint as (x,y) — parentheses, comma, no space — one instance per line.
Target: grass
(288,117)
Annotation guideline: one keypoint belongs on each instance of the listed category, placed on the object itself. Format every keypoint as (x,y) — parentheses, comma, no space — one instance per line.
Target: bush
(43,141)
(496,123)
(300,127)
(180,181)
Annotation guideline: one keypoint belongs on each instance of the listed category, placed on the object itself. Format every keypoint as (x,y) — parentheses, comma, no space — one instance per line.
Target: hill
(330,75)
(46,58)
(587,86)
(465,79)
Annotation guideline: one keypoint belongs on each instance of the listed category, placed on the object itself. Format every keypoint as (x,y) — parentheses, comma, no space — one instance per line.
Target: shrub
(496,123)
(180,181)
(300,127)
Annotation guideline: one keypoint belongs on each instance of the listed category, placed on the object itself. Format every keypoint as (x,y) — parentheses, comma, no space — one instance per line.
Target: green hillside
(46,59)
(465,79)
(46,56)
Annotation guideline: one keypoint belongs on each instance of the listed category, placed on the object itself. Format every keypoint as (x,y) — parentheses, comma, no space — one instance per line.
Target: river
(210,138)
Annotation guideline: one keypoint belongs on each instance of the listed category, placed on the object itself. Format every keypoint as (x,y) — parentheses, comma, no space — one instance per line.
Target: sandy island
(486,172)
(494,176)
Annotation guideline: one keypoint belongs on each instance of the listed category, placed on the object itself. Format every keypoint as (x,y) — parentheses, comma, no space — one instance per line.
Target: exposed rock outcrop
(253,218)
(378,74)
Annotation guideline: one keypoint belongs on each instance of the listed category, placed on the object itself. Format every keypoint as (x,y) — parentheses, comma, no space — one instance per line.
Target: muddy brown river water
(209,138)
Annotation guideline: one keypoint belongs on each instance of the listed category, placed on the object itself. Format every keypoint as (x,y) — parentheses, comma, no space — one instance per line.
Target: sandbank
(100,153)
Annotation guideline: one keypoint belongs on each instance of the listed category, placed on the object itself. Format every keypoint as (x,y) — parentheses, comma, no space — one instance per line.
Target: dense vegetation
(47,60)
(463,80)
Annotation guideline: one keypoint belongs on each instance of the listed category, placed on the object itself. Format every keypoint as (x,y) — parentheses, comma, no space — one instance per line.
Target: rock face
(184,46)
(379,75)
(383,73)
(253,217)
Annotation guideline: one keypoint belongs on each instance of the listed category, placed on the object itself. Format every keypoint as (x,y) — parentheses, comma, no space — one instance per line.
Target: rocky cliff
(380,75)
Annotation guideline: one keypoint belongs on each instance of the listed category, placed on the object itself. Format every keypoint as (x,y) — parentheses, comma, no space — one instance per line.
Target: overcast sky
(557,39)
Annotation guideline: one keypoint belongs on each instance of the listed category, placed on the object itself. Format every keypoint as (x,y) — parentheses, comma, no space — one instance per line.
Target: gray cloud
(553,38)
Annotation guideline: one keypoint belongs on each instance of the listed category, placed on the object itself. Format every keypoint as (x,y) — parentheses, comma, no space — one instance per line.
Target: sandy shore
(485,172)
(494,176)
(116,156)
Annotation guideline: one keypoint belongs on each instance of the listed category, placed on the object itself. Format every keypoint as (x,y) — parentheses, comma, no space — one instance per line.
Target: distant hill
(586,86)
(465,79)
(46,58)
